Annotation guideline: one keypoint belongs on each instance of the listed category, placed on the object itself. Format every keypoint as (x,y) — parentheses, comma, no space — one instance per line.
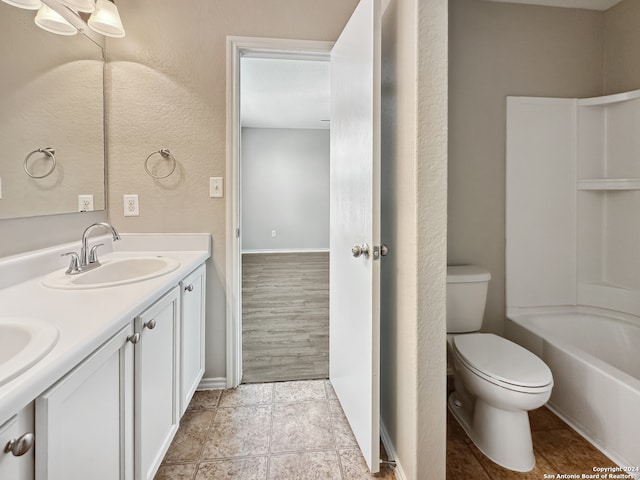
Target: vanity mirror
(51,119)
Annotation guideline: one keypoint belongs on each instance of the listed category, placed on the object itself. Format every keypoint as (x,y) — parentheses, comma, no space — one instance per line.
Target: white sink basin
(23,342)
(114,272)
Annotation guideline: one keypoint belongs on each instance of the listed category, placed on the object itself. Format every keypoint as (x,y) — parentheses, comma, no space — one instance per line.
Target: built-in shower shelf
(609,184)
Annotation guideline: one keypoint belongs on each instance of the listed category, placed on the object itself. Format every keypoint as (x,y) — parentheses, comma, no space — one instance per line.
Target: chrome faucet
(88,259)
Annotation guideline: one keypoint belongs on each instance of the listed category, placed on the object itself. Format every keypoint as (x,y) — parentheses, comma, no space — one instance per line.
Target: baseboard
(391,452)
(286,250)
(218,383)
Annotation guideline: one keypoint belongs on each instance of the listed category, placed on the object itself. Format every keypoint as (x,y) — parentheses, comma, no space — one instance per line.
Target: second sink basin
(114,272)
(23,342)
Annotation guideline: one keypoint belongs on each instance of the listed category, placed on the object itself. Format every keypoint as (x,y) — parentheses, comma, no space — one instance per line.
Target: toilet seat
(502,362)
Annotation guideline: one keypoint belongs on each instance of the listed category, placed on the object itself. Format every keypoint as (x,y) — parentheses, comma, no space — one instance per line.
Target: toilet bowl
(496,381)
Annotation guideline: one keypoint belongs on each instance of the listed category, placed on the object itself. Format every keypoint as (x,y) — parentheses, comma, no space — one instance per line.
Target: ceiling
(589,4)
(284,93)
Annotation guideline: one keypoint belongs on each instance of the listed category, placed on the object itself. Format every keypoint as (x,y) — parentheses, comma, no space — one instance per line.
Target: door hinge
(237,233)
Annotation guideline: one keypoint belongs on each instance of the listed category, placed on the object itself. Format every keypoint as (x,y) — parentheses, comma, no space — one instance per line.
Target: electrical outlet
(85,203)
(273,233)
(216,189)
(131,206)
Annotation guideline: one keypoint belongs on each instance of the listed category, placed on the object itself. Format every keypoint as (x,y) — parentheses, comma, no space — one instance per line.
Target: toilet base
(501,435)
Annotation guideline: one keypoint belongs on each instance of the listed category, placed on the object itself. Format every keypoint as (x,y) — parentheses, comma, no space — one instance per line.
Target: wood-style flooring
(285,317)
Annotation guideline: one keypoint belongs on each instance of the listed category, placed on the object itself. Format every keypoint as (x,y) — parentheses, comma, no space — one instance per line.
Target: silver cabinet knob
(135,338)
(359,250)
(21,445)
(151,324)
(188,288)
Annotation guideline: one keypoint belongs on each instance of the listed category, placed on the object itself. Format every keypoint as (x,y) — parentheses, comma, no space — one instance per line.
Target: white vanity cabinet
(84,423)
(114,415)
(16,446)
(192,321)
(156,384)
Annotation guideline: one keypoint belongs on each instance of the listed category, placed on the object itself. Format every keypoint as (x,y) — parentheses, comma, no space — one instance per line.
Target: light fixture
(51,21)
(106,20)
(85,6)
(26,4)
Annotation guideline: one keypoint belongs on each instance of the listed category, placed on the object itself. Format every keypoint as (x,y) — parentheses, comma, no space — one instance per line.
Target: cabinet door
(192,323)
(11,466)
(83,422)
(156,383)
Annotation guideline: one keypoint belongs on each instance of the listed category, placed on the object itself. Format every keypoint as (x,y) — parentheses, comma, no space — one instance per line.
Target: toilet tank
(466,297)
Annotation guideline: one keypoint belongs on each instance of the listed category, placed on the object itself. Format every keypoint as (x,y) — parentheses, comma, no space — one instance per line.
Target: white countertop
(85,318)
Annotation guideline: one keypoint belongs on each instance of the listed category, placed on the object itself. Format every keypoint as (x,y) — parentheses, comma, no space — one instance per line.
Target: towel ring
(166,154)
(49,152)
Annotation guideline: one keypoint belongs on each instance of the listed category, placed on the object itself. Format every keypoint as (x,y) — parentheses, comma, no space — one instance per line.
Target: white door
(355,221)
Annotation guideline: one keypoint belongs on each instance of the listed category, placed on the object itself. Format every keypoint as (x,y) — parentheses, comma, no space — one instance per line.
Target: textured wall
(167,84)
(414,163)
(496,50)
(285,187)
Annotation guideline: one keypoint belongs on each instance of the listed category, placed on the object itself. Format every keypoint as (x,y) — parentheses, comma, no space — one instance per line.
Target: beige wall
(496,50)
(167,82)
(431,209)
(414,163)
(622,52)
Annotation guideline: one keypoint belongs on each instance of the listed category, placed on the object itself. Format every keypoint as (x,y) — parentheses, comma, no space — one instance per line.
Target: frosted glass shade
(86,6)
(53,22)
(106,19)
(26,4)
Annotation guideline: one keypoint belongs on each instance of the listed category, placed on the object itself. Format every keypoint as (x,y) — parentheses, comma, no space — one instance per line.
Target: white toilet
(496,381)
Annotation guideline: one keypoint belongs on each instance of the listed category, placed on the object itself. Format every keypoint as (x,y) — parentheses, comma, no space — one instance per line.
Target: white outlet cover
(131,205)
(85,203)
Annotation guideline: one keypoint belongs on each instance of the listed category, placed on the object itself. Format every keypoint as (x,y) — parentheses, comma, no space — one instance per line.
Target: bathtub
(594,356)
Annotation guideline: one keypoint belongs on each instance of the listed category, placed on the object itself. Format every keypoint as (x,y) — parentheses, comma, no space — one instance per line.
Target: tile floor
(558,450)
(286,430)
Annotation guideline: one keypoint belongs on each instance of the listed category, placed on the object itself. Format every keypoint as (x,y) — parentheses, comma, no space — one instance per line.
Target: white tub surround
(573,232)
(573,193)
(84,318)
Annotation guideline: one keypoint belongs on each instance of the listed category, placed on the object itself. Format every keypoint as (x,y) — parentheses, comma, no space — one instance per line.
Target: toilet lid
(502,360)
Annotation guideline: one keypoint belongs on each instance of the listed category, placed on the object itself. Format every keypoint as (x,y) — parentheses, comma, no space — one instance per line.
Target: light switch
(216,189)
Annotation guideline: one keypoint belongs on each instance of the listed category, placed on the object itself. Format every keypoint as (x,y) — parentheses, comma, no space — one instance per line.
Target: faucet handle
(93,253)
(74,264)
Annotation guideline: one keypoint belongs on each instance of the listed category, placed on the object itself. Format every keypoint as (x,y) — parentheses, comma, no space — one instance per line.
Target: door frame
(237,47)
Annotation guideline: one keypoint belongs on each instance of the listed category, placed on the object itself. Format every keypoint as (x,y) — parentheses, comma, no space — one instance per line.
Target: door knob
(358,250)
